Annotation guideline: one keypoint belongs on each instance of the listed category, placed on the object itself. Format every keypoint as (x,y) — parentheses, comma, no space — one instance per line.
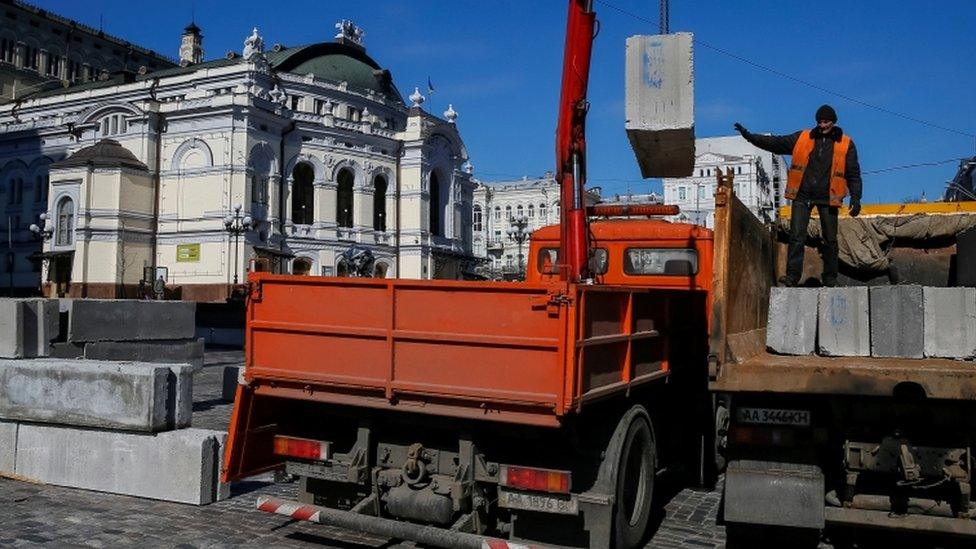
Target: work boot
(787,282)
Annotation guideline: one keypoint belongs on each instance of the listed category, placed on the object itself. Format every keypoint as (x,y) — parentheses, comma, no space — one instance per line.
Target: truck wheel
(635,485)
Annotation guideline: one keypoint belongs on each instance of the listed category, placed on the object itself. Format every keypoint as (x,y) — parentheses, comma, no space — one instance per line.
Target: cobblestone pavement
(64,517)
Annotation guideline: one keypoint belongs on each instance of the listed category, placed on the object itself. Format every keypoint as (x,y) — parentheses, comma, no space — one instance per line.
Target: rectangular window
(295,101)
(354,114)
(701,191)
(661,261)
(319,106)
(682,193)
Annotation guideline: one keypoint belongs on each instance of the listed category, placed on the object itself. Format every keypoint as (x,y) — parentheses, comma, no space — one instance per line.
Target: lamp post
(237,225)
(517,233)
(43,232)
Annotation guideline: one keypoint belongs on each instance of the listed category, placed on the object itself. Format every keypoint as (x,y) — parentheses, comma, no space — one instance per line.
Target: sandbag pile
(882,321)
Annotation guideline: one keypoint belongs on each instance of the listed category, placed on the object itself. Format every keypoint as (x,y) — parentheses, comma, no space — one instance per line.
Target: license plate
(772,416)
(564,505)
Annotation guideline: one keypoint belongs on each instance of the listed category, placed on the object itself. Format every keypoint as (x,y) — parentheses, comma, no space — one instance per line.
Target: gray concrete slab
(11,328)
(950,322)
(659,103)
(110,395)
(181,465)
(791,327)
(130,320)
(8,446)
(843,326)
(184,351)
(67,349)
(897,321)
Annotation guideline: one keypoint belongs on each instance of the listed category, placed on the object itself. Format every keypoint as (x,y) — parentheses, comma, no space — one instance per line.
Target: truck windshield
(546,260)
(661,261)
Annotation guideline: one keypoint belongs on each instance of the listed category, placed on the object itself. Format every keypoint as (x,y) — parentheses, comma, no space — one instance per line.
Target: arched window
(498,213)
(476,218)
(344,202)
(542,213)
(66,222)
(531,211)
(508,213)
(302,194)
(740,170)
(379,203)
(436,208)
(113,124)
(519,211)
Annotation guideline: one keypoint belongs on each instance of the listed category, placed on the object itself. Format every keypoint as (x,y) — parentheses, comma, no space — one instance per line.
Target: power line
(910,166)
(801,81)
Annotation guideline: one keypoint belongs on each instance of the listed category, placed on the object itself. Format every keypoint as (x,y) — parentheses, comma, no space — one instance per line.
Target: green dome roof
(336,62)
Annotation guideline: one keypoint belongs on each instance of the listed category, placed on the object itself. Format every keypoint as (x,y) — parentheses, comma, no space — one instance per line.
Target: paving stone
(843,327)
(180,466)
(791,327)
(659,103)
(129,320)
(897,321)
(950,322)
(109,395)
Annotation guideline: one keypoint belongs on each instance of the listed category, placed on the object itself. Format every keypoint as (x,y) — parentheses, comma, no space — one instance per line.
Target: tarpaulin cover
(865,242)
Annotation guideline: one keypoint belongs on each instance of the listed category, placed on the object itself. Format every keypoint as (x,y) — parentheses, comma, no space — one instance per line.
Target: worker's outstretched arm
(776,144)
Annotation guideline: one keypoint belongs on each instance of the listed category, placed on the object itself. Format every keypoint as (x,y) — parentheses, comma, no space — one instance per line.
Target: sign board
(187,253)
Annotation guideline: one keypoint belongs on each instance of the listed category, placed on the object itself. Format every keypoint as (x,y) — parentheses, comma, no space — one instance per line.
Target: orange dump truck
(460,409)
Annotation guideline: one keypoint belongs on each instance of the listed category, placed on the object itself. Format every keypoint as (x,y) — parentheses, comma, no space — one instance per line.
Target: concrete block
(897,321)
(181,466)
(232,378)
(659,103)
(843,328)
(130,320)
(950,322)
(11,328)
(791,327)
(27,327)
(188,351)
(111,395)
(67,349)
(8,446)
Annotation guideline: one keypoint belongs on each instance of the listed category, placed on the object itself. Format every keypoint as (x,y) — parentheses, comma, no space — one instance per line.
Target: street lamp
(44,231)
(517,233)
(237,225)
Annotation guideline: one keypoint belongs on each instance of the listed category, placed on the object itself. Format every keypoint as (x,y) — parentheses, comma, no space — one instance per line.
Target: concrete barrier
(950,322)
(8,446)
(180,351)
(181,466)
(27,327)
(111,395)
(843,327)
(897,321)
(791,327)
(659,103)
(129,320)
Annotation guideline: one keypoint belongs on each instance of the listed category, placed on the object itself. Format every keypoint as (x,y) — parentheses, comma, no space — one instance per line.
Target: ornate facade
(314,142)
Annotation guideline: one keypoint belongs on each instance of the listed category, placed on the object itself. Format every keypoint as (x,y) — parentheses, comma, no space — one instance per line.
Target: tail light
(528,478)
(303,448)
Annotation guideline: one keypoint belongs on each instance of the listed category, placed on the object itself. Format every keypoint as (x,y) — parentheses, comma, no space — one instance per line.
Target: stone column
(86,74)
(43,61)
(20,55)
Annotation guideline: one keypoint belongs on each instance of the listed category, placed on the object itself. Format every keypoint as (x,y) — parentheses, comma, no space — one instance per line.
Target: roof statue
(450,114)
(416,97)
(349,31)
(253,45)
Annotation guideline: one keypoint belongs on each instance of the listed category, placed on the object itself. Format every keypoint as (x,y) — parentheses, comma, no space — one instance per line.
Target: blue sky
(498,62)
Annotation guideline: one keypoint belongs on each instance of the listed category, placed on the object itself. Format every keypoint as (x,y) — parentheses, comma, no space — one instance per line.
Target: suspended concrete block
(660,103)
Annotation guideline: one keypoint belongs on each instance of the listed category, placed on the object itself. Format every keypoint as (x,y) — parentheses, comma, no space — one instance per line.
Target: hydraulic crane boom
(571,141)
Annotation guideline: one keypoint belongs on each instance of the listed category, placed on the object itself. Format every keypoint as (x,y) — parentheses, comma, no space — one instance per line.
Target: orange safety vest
(838,167)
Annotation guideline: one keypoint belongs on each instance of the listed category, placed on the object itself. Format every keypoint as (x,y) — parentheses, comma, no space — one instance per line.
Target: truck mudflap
(843,516)
(351,520)
(774,494)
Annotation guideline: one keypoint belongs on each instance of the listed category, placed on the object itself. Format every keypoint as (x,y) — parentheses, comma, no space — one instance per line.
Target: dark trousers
(799,219)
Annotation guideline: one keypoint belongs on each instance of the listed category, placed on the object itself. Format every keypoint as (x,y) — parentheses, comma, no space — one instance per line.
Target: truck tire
(635,483)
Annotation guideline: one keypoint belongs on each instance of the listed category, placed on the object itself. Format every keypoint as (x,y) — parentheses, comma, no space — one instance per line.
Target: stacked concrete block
(181,466)
(27,327)
(109,395)
(844,327)
(950,322)
(897,321)
(660,103)
(188,351)
(129,320)
(791,327)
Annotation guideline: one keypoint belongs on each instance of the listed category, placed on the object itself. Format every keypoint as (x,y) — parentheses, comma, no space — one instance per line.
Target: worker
(824,170)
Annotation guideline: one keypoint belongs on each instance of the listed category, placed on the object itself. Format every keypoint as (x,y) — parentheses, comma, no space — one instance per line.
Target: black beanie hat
(826,112)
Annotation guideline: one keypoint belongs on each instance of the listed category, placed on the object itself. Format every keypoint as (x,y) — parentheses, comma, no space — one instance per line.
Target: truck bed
(511,352)
(766,372)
